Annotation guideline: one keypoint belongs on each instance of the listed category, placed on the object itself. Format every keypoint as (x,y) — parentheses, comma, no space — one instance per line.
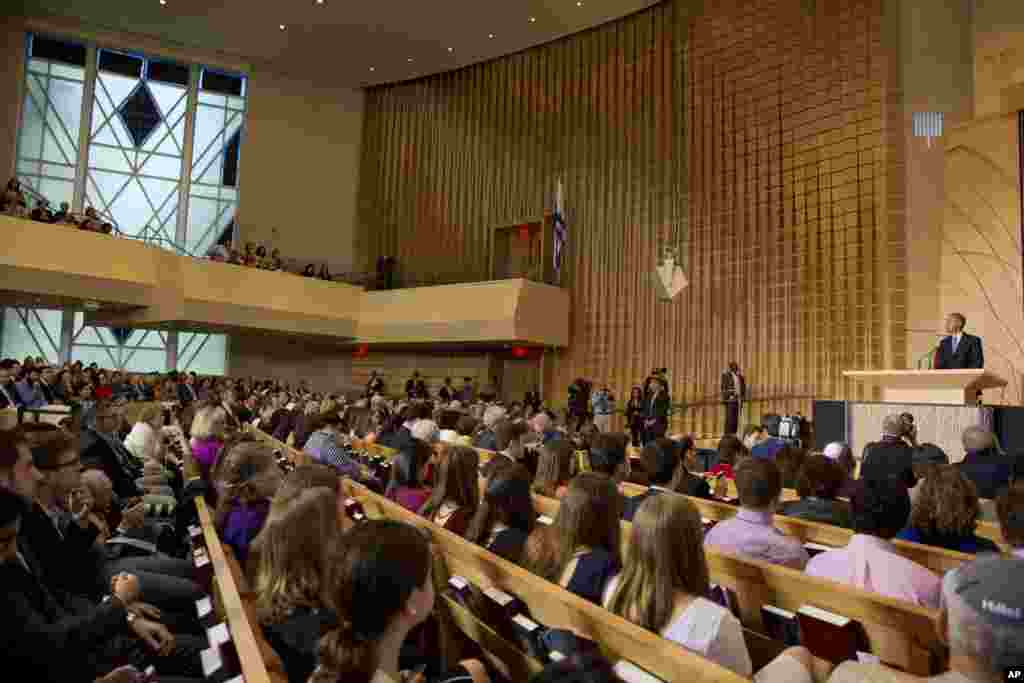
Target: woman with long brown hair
(380,586)
(554,469)
(580,550)
(505,517)
(291,598)
(456,495)
(246,476)
(665,580)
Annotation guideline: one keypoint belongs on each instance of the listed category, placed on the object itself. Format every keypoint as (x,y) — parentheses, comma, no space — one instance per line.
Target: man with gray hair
(892,456)
(982,621)
(984,463)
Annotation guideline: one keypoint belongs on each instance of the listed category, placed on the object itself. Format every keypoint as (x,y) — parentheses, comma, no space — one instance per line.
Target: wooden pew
(253,651)
(553,605)
(900,633)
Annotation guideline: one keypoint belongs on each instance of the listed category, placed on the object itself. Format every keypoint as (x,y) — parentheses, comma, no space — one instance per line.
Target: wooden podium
(951,387)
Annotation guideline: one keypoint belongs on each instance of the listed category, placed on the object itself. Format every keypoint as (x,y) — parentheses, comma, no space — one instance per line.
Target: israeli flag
(561,231)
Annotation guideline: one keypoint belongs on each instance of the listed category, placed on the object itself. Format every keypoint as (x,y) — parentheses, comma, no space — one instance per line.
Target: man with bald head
(984,463)
(892,456)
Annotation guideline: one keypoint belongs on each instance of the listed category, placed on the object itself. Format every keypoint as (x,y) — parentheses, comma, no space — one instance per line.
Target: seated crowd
(94,516)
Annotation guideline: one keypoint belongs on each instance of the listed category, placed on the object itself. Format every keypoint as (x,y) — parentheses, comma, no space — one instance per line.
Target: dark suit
(97,453)
(656,411)
(890,457)
(732,397)
(989,470)
(186,394)
(9,397)
(968,354)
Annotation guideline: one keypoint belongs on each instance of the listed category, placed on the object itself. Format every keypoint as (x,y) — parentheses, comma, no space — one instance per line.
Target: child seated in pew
(291,597)
(666,472)
(408,469)
(580,550)
(246,478)
(664,582)
(554,469)
(456,495)
(379,582)
(945,514)
(1010,510)
(869,562)
(506,516)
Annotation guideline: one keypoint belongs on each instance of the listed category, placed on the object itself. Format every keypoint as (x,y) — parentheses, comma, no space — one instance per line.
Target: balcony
(126,283)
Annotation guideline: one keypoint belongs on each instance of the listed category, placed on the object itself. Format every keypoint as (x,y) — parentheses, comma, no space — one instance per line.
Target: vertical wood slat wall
(754,132)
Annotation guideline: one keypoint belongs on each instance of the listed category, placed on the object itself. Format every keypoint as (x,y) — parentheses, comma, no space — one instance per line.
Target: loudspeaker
(829,423)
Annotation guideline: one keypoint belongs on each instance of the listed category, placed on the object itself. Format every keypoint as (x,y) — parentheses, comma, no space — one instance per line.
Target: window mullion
(85,131)
(172,351)
(185,185)
(67,334)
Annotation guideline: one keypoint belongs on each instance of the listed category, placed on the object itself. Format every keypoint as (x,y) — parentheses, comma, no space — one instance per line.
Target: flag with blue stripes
(561,231)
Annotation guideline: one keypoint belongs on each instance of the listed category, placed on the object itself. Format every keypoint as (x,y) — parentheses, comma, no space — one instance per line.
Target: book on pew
(720,595)
(631,673)
(780,625)
(830,636)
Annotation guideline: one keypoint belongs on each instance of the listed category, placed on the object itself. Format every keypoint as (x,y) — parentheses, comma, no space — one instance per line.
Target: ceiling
(340,41)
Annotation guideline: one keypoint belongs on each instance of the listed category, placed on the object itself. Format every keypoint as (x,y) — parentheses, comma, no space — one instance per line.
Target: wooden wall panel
(751,133)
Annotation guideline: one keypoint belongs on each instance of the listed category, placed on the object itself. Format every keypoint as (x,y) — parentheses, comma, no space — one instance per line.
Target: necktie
(956,343)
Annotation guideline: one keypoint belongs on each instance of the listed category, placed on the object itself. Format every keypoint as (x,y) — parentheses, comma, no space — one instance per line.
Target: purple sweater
(242,524)
(205,452)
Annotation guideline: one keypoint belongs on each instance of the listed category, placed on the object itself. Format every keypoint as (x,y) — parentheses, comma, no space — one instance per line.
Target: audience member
(208,432)
(101,447)
(1010,511)
(790,460)
(608,455)
(945,514)
(381,587)
(818,486)
(326,443)
(292,602)
(58,638)
(730,451)
(892,456)
(509,448)
(842,455)
(486,438)
(753,435)
(587,667)
(30,392)
(750,532)
(982,621)
(408,469)
(506,516)
(246,476)
(580,550)
(664,584)
(541,424)
(456,494)
(984,463)
(869,561)
(554,469)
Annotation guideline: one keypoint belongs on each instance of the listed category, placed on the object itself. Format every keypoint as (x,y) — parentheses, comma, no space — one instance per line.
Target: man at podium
(959,350)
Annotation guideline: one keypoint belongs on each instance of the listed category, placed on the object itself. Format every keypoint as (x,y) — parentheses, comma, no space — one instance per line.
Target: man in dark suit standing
(734,390)
(959,350)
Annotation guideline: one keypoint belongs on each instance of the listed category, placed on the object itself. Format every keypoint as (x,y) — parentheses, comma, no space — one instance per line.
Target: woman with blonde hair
(945,513)
(291,601)
(580,550)
(145,441)
(664,582)
(209,428)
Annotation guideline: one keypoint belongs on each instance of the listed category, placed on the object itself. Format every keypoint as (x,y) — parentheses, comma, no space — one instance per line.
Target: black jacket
(969,353)
(834,512)
(48,640)
(696,487)
(98,454)
(889,457)
(296,639)
(67,563)
(989,470)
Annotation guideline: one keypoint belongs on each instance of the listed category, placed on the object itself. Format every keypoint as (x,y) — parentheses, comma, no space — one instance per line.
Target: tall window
(154,146)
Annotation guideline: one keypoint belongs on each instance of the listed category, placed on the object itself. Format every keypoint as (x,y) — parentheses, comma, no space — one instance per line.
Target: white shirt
(706,628)
(735,383)
(956,341)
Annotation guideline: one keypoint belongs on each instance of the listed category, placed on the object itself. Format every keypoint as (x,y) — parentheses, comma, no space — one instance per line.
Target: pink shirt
(1018,552)
(752,535)
(873,564)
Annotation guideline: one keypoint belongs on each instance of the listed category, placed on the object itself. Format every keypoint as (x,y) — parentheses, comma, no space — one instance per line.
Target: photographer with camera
(893,456)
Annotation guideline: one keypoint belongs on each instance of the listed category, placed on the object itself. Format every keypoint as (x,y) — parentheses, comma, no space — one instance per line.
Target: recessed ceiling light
(163,2)
(490,35)
(579,3)
(451,49)
(319,2)
(282,27)
(373,68)
(533,19)
(409,60)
